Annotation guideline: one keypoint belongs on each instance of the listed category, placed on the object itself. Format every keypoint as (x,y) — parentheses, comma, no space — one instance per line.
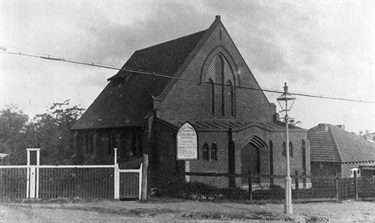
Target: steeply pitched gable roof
(163,58)
(329,143)
(218,125)
(128,97)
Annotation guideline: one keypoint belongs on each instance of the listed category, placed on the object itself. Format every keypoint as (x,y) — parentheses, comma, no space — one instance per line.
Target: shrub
(198,191)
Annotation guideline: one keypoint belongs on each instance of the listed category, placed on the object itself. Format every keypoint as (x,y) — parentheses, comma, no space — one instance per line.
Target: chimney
(217,17)
(341,126)
(323,127)
(276,117)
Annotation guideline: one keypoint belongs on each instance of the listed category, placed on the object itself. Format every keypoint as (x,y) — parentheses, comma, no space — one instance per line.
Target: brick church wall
(279,165)
(212,166)
(188,100)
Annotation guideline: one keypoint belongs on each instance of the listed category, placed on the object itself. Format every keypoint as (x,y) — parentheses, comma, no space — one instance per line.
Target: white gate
(61,181)
(32,182)
(133,188)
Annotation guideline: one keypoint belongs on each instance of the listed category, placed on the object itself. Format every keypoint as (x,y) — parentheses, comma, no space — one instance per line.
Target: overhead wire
(164,75)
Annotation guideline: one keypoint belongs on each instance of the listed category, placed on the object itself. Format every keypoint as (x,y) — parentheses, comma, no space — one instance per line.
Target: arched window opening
(291,149)
(271,160)
(213,109)
(108,142)
(229,98)
(219,76)
(214,152)
(205,152)
(304,156)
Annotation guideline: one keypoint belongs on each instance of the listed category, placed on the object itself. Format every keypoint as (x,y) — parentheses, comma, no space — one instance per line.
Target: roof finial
(218,17)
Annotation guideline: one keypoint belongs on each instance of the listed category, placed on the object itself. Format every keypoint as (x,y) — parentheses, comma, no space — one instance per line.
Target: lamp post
(287,97)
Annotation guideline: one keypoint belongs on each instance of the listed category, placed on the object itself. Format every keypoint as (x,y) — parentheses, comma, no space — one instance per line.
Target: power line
(164,75)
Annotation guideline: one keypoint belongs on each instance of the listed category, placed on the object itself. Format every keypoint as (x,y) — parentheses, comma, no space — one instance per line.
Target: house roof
(224,125)
(329,143)
(127,98)
(367,166)
(3,155)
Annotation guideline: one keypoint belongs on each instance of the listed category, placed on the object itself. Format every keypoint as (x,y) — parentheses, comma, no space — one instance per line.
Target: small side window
(355,171)
(214,152)
(205,152)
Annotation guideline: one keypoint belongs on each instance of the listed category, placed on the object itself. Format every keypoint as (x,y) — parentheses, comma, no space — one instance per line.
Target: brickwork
(182,101)
(187,100)
(325,169)
(219,166)
(162,155)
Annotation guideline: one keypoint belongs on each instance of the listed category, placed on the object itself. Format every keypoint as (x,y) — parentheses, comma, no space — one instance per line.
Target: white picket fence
(64,181)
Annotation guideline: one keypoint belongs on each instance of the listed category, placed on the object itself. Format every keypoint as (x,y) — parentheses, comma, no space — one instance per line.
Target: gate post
(250,186)
(144,194)
(356,185)
(32,183)
(346,188)
(337,187)
(116,176)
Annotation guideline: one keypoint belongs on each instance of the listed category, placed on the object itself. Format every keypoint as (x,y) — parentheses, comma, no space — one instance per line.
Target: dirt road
(178,211)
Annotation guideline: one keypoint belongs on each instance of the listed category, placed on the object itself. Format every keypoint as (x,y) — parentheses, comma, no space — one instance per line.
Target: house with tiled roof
(336,151)
(203,80)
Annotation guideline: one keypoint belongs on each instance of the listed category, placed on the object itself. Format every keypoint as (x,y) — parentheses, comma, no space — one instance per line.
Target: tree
(295,123)
(49,131)
(13,127)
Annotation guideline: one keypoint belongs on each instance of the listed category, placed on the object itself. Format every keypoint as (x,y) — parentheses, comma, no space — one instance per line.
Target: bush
(198,191)
(275,192)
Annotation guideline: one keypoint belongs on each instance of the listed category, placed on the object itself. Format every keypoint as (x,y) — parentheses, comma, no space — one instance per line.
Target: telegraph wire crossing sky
(100,65)
(318,48)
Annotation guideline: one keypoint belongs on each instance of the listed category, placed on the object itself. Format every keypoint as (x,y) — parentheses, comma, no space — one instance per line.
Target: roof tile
(334,144)
(126,102)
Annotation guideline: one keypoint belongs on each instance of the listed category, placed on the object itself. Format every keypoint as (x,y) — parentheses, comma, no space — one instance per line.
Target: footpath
(189,211)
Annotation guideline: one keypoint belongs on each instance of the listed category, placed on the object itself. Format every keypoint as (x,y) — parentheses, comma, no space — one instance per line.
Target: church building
(201,79)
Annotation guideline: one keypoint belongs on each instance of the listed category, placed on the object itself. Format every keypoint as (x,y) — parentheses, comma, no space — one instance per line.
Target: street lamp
(287,97)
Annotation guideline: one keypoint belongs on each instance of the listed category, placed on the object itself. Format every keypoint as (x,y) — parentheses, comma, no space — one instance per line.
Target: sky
(323,48)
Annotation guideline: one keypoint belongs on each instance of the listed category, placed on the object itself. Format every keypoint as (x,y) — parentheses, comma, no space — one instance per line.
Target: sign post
(187,145)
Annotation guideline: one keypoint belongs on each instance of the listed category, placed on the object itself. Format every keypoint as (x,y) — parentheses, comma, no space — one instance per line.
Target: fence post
(297,184)
(250,186)
(116,177)
(144,194)
(337,187)
(346,188)
(28,175)
(37,171)
(355,185)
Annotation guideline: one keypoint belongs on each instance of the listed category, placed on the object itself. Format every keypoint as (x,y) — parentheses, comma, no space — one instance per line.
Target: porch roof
(235,125)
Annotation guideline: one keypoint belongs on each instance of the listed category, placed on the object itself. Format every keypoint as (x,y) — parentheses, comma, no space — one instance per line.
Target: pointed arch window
(229,98)
(290,149)
(222,83)
(220,79)
(304,156)
(205,150)
(214,151)
(212,84)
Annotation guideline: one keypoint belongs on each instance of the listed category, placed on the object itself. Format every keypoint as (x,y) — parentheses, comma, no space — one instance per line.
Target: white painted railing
(12,179)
